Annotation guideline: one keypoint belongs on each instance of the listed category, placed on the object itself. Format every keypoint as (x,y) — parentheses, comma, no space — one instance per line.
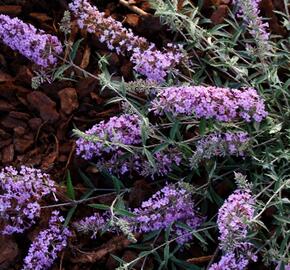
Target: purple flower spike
(148,60)
(249,11)
(166,207)
(46,246)
(125,129)
(233,223)
(233,218)
(220,145)
(222,104)
(108,152)
(20,194)
(34,44)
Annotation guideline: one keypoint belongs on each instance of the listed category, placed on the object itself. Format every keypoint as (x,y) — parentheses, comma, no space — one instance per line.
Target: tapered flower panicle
(107,143)
(233,218)
(20,193)
(122,130)
(46,246)
(233,222)
(92,224)
(148,60)
(34,44)
(249,11)
(222,104)
(165,208)
(220,145)
(230,261)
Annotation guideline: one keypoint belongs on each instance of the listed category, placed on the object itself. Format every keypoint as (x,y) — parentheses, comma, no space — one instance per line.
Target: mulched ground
(36,125)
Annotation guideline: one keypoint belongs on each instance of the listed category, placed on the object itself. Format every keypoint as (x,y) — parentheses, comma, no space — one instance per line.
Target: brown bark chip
(44,105)
(8,252)
(68,100)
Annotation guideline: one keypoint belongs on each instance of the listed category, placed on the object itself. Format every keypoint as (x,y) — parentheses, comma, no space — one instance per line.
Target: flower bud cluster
(249,11)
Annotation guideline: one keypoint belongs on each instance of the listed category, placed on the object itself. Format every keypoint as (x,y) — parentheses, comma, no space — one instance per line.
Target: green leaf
(194,233)
(151,235)
(276,128)
(69,216)
(86,179)
(282,219)
(184,265)
(118,185)
(74,49)
(174,130)
(150,158)
(124,212)
(69,187)
(144,134)
(118,259)
(58,73)
(100,206)
(202,126)
(159,148)
(121,212)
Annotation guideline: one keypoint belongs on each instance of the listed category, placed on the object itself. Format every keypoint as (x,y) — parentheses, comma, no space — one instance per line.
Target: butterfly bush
(48,243)
(165,208)
(220,145)
(124,129)
(111,135)
(233,218)
(20,195)
(233,261)
(222,104)
(34,44)
(233,223)
(92,224)
(148,60)
(249,11)
(108,142)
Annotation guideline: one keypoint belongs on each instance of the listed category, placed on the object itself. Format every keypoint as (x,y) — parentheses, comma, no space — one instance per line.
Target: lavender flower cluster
(219,145)
(249,11)
(21,190)
(233,223)
(124,129)
(165,208)
(107,141)
(148,60)
(233,218)
(222,104)
(34,44)
(45,248)
(92,224)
